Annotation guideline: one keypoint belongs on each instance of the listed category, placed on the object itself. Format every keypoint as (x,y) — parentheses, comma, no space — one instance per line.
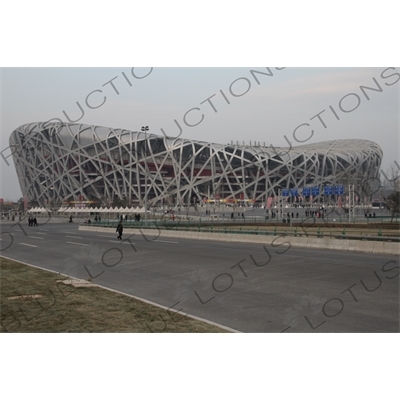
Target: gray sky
(265,111)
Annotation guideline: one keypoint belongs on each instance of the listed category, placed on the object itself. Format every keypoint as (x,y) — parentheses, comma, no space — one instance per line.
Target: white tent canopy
(67,209)
(38,210)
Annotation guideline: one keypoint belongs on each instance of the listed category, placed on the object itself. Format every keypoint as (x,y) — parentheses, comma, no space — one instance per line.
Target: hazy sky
(264,111)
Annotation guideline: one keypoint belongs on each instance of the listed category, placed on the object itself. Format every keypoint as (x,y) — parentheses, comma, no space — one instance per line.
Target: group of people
(32,221)
(292,214)
(320,213)
(122,217)
(369,215)
(233,215)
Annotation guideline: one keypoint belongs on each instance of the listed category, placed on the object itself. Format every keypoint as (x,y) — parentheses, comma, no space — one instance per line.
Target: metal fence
(322,230)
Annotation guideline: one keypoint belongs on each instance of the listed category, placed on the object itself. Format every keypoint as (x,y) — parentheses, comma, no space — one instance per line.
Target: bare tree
(391,178)
(392,181)
(20,203)
(124,202)
(393,204)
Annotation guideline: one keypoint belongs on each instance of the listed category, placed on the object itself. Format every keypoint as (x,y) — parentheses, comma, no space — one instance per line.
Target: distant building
(76,162)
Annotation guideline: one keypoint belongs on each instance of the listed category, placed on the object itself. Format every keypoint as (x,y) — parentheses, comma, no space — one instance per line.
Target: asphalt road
(247,287)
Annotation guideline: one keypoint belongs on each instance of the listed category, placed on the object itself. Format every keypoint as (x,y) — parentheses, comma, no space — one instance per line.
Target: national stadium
(68,162)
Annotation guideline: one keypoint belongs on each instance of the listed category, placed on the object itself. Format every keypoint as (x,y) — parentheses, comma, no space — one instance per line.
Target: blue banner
(315,191)
(285,193)
(339,189)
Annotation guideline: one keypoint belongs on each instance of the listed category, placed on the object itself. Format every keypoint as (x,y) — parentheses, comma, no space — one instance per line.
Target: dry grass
(63,308)
(298,229)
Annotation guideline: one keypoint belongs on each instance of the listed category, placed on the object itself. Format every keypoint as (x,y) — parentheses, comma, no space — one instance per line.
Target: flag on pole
(340,202)
(269,203)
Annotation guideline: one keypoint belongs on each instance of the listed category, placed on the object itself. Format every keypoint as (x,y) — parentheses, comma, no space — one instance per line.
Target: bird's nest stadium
(69,161)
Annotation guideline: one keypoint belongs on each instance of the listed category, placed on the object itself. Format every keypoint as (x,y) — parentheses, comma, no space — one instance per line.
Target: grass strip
(33,301)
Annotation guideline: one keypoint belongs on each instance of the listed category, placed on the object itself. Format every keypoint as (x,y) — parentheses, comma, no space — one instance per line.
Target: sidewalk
(42,221)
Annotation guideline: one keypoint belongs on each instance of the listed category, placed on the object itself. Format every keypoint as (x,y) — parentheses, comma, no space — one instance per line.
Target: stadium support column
(145,129)
(351,204)
(280,205)
(130,188)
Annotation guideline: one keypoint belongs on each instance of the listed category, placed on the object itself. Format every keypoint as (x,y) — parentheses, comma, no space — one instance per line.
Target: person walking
(120,229)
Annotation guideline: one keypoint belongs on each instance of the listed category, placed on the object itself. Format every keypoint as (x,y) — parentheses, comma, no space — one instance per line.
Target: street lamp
(280,204)
(145,129)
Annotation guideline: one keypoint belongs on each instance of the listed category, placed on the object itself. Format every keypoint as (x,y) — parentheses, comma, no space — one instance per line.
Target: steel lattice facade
(64,161)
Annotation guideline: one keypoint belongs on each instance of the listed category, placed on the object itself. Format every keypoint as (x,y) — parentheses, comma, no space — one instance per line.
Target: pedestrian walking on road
(120,229)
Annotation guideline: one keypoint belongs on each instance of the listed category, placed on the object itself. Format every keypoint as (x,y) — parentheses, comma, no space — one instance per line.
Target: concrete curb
(305,242)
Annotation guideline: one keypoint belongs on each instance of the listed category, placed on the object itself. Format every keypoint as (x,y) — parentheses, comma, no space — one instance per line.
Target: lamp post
(280,205)
(145,129)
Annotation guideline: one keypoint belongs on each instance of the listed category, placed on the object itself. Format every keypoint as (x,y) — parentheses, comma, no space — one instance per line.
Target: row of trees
(392,181)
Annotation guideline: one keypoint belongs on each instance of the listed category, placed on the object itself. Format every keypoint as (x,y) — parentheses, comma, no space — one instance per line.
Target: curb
(304,242)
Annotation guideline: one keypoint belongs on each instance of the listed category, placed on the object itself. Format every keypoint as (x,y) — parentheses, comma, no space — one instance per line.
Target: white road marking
(164,241)
(41,233)
(105,236)
(46,230)
(36,237)
(74,237)
(120,241)
(26,244)
(80,244)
